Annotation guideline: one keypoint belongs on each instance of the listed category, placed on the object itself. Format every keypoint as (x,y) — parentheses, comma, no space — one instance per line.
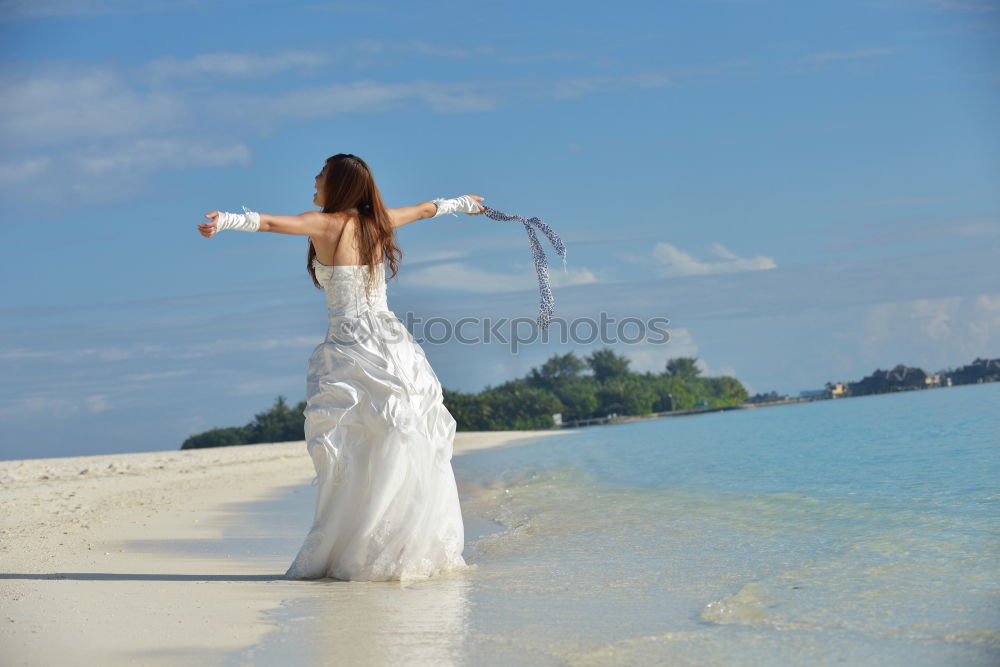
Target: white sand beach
(76,590)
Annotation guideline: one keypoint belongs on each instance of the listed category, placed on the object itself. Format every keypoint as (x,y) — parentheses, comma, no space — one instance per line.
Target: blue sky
(807,191)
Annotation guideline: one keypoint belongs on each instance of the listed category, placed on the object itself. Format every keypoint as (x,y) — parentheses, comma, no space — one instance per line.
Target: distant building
(612,409)
(838,390)
(910,378)
(980,370)
(898,378)
(904,378)
(938,380)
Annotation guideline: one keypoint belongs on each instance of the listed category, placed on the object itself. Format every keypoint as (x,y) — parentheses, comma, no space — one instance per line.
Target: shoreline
(82,581)
(625,419)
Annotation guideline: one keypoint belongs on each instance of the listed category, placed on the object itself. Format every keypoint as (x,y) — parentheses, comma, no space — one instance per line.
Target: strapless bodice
(344,285)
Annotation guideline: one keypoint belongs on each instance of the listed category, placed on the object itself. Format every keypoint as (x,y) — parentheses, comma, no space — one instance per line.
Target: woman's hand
(207,229)
(479,201)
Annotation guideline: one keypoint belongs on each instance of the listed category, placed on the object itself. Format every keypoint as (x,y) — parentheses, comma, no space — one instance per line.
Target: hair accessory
(546,302)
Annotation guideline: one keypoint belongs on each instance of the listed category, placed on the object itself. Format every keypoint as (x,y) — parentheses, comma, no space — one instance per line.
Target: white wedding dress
(381,441)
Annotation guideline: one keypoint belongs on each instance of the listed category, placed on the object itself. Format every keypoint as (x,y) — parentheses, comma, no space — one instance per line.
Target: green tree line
(279,424)
(596,385)
(593,386)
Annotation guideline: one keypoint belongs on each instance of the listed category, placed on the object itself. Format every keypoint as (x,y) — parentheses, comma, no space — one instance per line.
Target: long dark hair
(349,185)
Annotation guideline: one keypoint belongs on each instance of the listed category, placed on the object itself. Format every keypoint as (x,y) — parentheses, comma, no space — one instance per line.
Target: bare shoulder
(329,224)
(322,216)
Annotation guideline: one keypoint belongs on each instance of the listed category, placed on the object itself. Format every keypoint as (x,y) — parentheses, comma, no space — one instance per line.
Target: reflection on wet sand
(370,623)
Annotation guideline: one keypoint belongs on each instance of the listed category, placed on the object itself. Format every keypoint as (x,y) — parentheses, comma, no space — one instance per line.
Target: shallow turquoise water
(862,530)
(859,531)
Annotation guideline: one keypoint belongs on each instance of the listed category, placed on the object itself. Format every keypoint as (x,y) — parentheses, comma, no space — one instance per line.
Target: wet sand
(104,558)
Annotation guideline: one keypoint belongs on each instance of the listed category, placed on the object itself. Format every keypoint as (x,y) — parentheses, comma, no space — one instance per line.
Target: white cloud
(164,375)
(372,96)
(53,406)
(118,353)
(567,277)
(91,105)
(23,171)
(27,406)
(850,55)
(271,343)
(24,354)
(575,87)
(415,257)
(648,80)
(944,328)
(572,88)
(672,261)
(112,171)
(85,355)
(193,350)
(248,65)
(97,133)
(151,154)
(984,325)
(73,105)
(978,229)
(96,403)
(372,51)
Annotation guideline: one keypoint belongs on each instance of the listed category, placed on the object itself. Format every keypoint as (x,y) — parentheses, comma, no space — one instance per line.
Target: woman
(379,435)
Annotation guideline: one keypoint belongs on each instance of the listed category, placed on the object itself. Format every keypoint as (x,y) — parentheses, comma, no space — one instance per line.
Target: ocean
(855,531)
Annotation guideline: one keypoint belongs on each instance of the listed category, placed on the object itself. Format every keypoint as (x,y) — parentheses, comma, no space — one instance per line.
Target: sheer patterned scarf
(546,303)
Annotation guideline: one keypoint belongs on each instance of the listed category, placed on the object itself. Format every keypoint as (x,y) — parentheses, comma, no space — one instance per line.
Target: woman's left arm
(407,214)
(470,204)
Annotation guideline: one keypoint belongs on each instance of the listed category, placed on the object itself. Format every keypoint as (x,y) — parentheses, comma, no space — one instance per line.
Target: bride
(376,428)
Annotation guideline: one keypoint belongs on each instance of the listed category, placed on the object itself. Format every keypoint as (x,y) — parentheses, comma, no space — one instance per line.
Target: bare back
(339,249)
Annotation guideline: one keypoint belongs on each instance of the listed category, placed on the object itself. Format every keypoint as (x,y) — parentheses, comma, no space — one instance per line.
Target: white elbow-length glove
(248,221)
(463,204)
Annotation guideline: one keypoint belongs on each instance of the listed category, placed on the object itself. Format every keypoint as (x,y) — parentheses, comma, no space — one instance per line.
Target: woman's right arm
(311,223)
